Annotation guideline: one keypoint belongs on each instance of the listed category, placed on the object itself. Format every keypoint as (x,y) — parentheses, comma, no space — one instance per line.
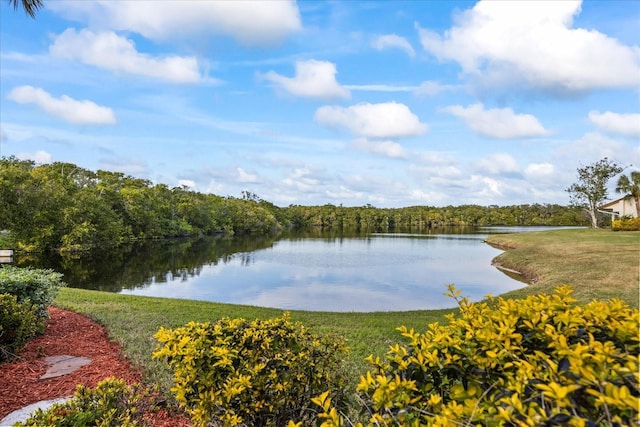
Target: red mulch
(70,333)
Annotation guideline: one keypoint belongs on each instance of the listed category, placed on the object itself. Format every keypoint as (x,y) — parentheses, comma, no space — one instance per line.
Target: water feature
(307,271)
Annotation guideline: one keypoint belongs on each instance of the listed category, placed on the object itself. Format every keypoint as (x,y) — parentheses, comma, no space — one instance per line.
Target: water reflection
(139,265)
(310,271)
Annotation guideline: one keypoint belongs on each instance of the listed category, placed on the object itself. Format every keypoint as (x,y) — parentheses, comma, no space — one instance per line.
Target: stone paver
(21,415)
(58,366)
(63,365)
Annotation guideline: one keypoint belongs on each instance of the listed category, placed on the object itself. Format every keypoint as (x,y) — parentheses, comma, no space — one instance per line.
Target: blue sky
(389,103)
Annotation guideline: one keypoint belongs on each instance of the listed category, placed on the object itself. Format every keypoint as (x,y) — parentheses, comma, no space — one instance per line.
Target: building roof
(613,202)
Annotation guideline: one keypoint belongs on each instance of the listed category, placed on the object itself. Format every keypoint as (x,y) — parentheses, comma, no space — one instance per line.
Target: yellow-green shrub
(536,361)
(626,224)
(540,361)
(18,324)
(256,373)
(111,404)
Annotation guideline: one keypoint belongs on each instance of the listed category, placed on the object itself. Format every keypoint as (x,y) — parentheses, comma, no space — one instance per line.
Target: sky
(387,103)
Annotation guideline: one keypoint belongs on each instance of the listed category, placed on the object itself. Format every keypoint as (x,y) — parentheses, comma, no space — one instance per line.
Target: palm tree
(29,6)
(630,185)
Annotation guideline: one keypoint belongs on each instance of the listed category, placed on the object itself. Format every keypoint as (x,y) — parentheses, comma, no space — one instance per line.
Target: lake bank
(133,320)
(597,264)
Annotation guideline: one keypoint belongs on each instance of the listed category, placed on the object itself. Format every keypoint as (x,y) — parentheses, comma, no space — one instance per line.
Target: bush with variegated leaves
(251,373)
(112,403)
(530,362)
(626,224)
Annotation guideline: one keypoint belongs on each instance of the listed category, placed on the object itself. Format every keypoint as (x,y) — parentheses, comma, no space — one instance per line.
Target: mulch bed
(70,333)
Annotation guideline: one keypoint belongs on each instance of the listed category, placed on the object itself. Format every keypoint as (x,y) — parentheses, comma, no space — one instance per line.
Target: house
(624,206)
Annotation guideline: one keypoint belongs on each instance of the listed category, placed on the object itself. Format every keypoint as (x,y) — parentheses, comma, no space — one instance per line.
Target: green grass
(597,263)
(132,320)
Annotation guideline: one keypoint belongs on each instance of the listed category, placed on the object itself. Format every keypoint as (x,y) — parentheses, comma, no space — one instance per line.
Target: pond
(319,271)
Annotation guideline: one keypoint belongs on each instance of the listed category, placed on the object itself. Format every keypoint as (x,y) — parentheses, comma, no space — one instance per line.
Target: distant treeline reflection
(134,265)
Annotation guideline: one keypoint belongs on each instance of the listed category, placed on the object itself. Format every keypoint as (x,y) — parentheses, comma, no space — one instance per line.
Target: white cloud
(302,179)
(539,170)
(430,88)
(244,176)
(187,183)
(534,42)
(393,41)
(40,157)
(115,53)
(381,88)
(372,184)
(623,124)
(215,187)
(256,22)
(313,79)
(384,120)
(593,146)
(485,187)
(426,88)
(437,158)
(66,108)
(499,163)
(343,192)
(500,123)
(433,197)
(433,172)
(384,148)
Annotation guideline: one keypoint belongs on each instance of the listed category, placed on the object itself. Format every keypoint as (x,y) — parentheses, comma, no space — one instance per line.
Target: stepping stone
(63,365)
(21,415)
(58,366)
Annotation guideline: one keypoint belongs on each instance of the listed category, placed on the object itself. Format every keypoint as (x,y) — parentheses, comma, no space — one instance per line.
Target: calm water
(313,271)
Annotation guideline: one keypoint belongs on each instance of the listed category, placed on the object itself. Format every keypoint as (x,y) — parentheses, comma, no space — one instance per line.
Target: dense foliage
(37,286)
(626,224)
(25,294)
(111,404)
(531,362)
(18,324)
(427,217)
(258,373)
(63,206)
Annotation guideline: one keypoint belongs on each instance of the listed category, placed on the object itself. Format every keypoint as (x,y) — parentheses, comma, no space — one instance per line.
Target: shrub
(626,224)
(257,373)
(18,324)
(111,404)
(38,286)
(537,361)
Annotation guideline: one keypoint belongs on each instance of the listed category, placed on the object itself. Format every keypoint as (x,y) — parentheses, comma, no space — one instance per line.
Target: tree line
(66,207)
(63,206)
(426,217)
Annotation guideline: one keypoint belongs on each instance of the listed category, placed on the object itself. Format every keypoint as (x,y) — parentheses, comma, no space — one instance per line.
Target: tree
(15,177)
(29,6)
(630,185)
(591,188)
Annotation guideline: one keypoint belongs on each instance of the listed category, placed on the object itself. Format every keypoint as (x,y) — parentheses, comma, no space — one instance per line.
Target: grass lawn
(132,320)
(597,263)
